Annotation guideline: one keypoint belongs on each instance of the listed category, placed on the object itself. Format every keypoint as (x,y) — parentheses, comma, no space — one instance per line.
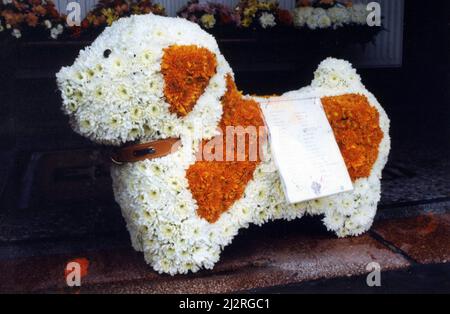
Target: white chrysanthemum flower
(334,222)
(319,12)
(324,21)
(48,24)
(166,231)
(361,217)
(317,206)
(358,13)
(346,204)
(318,19)
(301,15)
(16,33)
(312,22)
(267,20)
(339,16)
(54,33)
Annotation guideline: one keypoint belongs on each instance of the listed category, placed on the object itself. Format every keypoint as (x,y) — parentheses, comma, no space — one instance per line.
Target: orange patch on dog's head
(187,71)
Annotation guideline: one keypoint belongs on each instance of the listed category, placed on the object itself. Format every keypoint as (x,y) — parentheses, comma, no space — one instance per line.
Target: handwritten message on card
(304,149)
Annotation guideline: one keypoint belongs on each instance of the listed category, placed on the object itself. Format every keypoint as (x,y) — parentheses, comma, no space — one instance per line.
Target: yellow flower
(159,9)
(264,6)
(90,18)
(246,22)
(250,11)
(208,20)
(110,16)
(135,9)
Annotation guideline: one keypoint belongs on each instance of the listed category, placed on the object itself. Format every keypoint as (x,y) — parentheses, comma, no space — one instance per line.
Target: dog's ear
(187,71)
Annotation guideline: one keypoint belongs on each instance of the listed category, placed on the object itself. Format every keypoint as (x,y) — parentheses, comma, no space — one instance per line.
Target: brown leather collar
(151,150)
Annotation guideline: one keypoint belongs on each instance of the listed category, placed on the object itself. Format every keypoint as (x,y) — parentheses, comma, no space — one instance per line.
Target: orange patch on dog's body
(216,185)
(356,127)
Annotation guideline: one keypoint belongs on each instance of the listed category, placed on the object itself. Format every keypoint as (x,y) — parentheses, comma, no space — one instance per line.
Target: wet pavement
(425,238)
(280,254)
(411,231)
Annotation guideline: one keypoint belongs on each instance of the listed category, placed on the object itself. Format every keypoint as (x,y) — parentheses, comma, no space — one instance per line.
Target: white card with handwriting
(304,149)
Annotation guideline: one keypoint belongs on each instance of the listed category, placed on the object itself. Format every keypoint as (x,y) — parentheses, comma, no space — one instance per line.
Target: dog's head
(144,78)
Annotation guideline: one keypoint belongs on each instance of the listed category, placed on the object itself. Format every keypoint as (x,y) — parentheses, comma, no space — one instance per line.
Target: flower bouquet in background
(108,11)
(342,21)
(213,17)
(257,15)
(323,14)
(31,19)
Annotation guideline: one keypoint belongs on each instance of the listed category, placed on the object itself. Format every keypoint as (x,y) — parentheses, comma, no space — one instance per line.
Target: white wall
(387,51)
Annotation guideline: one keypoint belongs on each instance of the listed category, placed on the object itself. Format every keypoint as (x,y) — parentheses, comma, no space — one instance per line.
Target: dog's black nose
(106,53)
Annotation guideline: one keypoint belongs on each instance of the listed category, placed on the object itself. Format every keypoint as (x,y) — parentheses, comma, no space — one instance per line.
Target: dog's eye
(106,53)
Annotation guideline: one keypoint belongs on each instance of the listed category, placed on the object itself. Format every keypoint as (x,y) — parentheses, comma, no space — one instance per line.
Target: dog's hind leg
(353,213)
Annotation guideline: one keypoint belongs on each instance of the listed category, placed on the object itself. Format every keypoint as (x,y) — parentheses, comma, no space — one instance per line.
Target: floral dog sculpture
(148,78)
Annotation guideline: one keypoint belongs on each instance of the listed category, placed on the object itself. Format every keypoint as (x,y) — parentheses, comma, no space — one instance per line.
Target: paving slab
(280,254)
(425,238)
